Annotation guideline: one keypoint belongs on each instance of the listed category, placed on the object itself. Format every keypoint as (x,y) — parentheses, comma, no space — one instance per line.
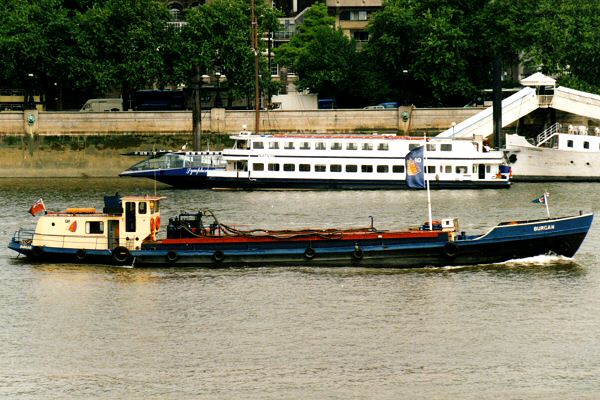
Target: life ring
(218,256)
(37,251)
(151,224)
(357,253)
(157,222)
(120,255)
(80,254)
(172,256)
(451,250)
(310,253)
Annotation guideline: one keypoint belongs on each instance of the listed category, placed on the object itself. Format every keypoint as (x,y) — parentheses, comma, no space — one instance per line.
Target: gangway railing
(547,134)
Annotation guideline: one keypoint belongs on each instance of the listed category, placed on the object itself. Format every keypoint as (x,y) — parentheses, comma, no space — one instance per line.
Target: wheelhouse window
(320,168)
(258,145)
(383,147)
(366,168)
(351,168)
(335,168)
(304,168)
(258,167)
(305,146)
(336,146)
(94,227)
(412,146)
(289,167)
(382,169)
(367,146)
(320,146)
(446,147)
(398,169)
(273,167)
(351,146)
(142,207)
(431,147)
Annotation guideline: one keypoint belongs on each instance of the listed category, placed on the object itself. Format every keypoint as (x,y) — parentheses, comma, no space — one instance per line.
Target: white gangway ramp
(513,107)
(576,102)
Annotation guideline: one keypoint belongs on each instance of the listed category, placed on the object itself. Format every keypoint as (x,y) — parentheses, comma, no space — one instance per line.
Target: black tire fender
(172,256)
(120,255)
(358,253)
(451,250)
(310,253)
(218,256)
(37,251)
(80,254)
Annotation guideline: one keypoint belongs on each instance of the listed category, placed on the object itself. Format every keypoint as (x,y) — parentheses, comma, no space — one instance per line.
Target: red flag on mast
(37,207)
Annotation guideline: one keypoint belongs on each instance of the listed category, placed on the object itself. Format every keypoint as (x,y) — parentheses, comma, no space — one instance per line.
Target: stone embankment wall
(77,144)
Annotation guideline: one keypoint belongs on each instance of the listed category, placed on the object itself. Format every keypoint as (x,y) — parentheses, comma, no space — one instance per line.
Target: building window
(320,168)
(273,167)
(335,168)
(258,145)
(258,167)
(366,168)
(304,168)
(289,167)
(95,227)
(351,168)
(398,169)
(354,16)
(382,169)
(360,36)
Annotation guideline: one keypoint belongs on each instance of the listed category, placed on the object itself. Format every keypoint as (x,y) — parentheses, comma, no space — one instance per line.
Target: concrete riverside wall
(78,144)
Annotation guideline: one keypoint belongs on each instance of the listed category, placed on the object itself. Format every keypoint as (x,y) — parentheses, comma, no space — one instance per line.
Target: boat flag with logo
(415,177)
(37,207)
(543,199)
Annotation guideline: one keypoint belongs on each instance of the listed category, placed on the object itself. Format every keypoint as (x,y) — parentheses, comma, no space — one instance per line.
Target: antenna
(427,182)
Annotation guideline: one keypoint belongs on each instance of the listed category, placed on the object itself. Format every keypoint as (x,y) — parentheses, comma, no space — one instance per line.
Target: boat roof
(142,197)
(390,136)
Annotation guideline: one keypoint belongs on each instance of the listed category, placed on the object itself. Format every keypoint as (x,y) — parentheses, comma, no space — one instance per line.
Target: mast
(255,47)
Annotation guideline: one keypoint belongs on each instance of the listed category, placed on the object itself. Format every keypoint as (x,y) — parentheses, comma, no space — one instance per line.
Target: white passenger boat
(334,162)
(560,153)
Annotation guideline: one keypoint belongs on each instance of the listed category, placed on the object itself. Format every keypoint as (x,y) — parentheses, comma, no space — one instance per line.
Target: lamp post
(196,109)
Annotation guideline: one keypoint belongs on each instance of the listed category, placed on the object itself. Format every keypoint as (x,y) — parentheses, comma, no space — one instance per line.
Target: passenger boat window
(446,147)
(142,207)
(320,146)
(488,169)
(273,167)
(461,169)
(448,169)
(569,143)
(130,216)
(289,146)
(258,145)
(383,169)
(431,169)
(305,146)
(289,167)
(351,146)
(398,169)
(366,168)
(351,168)
(273,145)
(258,167)
(335,168)
(586,145)
(320,168)
(94,227)
(367,146)
(383,147)
(154,206)
(304,167)
(412,146)
(431,147)
(336,146)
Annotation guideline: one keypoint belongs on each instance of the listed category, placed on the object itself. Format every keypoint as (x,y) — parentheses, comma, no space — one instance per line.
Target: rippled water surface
(526,329)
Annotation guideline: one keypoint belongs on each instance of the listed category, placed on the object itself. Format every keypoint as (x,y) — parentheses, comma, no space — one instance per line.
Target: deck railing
(547,134)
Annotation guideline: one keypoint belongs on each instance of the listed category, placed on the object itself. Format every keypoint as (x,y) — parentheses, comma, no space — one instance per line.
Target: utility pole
(497,100)
(196,109)
(256,69)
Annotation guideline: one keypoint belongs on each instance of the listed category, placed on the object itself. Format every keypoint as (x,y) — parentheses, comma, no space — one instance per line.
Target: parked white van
(102,105)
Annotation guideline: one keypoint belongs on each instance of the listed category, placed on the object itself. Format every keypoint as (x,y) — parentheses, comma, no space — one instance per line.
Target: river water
(526,329)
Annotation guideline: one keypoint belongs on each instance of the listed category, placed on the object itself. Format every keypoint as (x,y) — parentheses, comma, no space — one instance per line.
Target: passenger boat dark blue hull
(213,246)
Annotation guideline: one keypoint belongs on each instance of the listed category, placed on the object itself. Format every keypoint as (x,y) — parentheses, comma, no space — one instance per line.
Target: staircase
(547,134)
